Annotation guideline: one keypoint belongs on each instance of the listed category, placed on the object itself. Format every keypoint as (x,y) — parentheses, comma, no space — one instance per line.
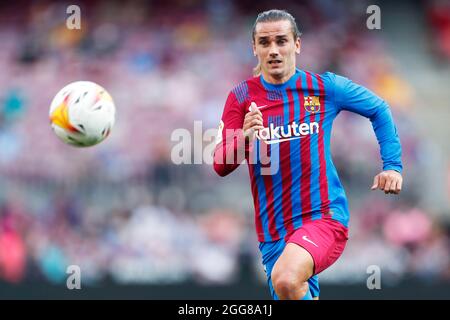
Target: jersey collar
(291,81)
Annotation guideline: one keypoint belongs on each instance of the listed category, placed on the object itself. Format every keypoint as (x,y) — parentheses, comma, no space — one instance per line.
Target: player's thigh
(295,263)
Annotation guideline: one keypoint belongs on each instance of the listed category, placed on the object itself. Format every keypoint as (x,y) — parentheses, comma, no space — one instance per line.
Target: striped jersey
(293,178)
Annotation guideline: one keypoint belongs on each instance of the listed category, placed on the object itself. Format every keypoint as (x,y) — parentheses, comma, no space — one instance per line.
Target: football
(82,114)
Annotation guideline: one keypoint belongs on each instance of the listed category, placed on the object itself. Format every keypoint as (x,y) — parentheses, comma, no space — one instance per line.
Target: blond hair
(257,70)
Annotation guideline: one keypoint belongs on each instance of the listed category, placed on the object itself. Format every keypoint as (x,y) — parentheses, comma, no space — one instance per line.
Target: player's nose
(273,50)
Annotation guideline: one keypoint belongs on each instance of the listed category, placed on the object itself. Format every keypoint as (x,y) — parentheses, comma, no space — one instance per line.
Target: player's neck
(278,80)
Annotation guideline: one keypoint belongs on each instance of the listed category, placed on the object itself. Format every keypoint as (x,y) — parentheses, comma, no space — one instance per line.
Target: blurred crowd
(438,15)
(123,210)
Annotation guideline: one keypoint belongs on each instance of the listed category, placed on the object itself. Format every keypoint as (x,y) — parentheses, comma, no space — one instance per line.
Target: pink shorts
(324,239)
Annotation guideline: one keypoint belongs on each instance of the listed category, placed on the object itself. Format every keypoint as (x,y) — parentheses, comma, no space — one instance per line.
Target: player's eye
(282,41)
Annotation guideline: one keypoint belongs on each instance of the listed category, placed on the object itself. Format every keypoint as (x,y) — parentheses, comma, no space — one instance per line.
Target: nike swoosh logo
(259,107)
(306,239)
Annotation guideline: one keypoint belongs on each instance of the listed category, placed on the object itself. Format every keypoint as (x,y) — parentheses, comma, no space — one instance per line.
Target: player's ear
(254,48)
(298,45)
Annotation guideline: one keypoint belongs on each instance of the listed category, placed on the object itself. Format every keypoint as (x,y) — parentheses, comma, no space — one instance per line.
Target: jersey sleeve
(356,98)
(230,148)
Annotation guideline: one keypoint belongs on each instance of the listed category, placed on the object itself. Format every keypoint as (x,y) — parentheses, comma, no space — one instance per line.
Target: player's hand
(253,121)
(390,181)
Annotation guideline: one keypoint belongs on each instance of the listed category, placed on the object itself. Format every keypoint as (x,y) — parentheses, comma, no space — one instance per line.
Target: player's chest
(285,107)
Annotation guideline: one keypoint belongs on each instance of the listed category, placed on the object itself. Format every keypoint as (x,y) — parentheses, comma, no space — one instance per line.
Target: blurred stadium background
(140,226)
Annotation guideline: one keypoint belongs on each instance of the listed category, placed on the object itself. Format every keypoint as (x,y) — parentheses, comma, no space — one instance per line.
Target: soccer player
(280,122)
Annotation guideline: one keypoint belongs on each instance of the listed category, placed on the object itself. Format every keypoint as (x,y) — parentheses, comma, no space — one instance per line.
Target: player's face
(275,47)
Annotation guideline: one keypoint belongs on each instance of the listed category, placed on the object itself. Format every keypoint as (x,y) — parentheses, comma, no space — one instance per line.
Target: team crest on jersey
(312,104)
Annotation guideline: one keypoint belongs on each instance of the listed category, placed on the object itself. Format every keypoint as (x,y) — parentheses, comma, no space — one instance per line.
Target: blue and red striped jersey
(293,178)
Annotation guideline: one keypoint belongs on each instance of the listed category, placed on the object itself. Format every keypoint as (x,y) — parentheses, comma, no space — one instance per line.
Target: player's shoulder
(242,90)
(245,84)
(334,78)
(334,81)
(328,77)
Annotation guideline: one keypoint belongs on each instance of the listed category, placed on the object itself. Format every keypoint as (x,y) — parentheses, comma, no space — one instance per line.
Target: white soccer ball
(82,114)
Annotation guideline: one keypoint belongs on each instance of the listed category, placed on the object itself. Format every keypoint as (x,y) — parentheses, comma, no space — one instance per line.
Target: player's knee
(288,286)
(283,285)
